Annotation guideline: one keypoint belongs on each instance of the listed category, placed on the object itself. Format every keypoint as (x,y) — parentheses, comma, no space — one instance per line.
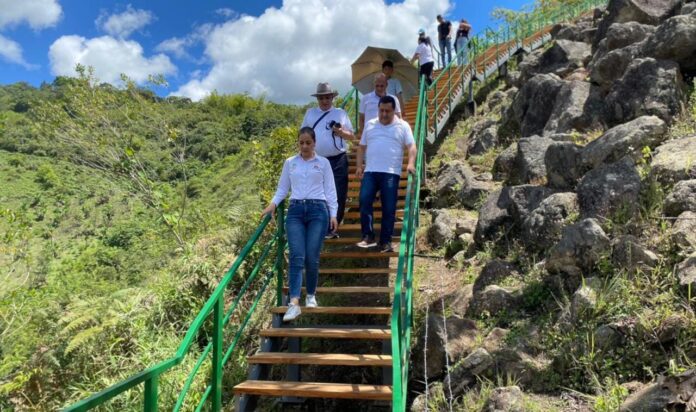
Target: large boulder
(608,189)
(686,272)
(533,105)
(625,139)
(466,371)
(683,233)
(675,160)
(459,338)
(563,165)
(583,302)
(668,393)
(505,162)
(648,87)
(561,59)
(651,12)
(493,273)
(675,39)
(481,141)
(629,254)
(494,217)
(450,178)
(542,228)
(621,35)
(529,163)
(611,66)
(682,198)
(581,246)
(578,107)
(524,199)
(475,190)
(493,300)
(506,399)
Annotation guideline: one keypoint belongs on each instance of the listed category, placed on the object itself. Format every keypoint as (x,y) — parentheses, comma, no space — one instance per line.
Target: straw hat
(324,89)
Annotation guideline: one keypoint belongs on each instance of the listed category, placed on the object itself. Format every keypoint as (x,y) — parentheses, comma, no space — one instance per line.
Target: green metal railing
(216,305)
(494,45)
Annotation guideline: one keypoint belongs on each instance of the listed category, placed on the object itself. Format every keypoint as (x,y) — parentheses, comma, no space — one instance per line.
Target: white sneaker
(311,301)
(292,312)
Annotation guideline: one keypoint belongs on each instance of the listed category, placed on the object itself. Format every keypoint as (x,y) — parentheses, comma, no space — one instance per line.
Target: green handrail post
(151,396)
(280,252)
(216,378)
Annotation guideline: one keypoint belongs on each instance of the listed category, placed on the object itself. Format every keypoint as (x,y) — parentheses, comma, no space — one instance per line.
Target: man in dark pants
(444,35)
(382,144)
(332,127)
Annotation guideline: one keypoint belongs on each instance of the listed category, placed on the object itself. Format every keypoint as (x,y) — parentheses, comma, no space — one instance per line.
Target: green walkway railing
(488,51)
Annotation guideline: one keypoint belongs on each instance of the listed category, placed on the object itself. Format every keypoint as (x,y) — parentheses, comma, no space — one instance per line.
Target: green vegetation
(120,210)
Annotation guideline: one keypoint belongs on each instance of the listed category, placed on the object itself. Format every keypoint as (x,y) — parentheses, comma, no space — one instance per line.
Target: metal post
(216,378)
(449,92)
(280,252)
(151,388)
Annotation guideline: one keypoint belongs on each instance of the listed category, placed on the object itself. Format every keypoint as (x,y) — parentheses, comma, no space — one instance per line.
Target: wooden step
(348,289)
(377,214)
(339,359)
(315,390)
(329,333)
(352,177)
(339,310)
(359,254)
(354,204)
(349,240)
(356,184)
(355,194)
(357,271)
(376,226)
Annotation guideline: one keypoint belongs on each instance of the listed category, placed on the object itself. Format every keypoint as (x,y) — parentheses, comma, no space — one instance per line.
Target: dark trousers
(427,70)
(387,184)
(339,167)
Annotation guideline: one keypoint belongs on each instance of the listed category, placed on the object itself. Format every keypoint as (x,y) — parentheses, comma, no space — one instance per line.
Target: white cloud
(11,51)
(178,46)
(227,13)
(38,14)
(109,56)
(285,52)
(124,24)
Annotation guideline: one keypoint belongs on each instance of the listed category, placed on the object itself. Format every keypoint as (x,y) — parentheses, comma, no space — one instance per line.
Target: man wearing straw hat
(332,127)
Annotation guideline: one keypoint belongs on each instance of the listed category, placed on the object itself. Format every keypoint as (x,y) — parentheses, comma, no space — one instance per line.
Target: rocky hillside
(566,209)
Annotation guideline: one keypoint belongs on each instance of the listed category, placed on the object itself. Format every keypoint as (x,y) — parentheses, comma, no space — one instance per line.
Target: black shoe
(367,242)
(331,235)
(386,247)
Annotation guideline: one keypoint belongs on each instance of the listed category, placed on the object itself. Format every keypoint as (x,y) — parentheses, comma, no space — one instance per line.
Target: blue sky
(228,46)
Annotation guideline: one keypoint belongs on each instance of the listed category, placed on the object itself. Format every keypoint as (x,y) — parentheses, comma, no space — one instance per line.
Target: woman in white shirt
(313,205)
(424,54)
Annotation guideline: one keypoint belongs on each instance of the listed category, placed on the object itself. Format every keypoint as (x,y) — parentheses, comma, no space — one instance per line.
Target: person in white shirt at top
(313,207)
(382,145)
(333,128)
(368,104)
(393,84)
(424,55)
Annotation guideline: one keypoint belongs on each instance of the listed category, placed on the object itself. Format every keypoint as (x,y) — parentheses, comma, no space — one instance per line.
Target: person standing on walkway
(461,40)
(393,84)
(382,145)
(444,36)
(333,128)
(368,109)
(424,55)
(313,208)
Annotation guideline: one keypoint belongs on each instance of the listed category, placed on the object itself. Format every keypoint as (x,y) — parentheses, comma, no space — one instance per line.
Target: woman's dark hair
(424,39)
(308,130)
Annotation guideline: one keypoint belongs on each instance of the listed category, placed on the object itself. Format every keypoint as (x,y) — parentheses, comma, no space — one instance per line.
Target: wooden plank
(358,254)
(376,226)
(348,289)
(315,390)
(355,185)
(331,333)
(353,240)
(339,359)
(376,214)
(359,271)
(339,310)
(377,203)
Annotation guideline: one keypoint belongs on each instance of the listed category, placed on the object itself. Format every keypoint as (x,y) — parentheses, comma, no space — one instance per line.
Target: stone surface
(651,398)
(475,190)
(505,162)
(520,366)
(532,106)
(675,160)
(442,230)
(483,137)
(651,12)
(495,271)
(611,66)
(626,139)
(629,254)
(563,165)
(686,272)
(675,40)
(621,35)
(524,199)
(495,339)
(505,399)
(608,337)
(648,87)
(465,372)
(579,106)
(682,198)
(492,300)
(563,57)
(583,302)
(542,228)
(529,166)
(493,216)
(683,233)
(580,248)
(450,178)
(461,335)
(609,189)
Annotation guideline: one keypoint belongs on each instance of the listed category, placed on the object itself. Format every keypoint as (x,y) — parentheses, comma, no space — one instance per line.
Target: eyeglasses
(329,97)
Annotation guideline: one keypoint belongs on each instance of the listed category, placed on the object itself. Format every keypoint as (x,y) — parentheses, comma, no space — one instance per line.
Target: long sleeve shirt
(307,179)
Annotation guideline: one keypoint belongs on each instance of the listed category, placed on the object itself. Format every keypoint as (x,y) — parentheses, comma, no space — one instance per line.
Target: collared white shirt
(385,145)
(307,179)
(369,106)
(394,86)
(328,144)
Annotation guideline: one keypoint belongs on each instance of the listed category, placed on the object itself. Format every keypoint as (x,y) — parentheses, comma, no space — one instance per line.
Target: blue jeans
(445,46)
(460,49)
(305,226)
(387,184)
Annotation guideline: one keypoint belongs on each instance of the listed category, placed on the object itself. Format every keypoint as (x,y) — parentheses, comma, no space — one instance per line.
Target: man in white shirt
(382,144)
(368,109)
(393,84)
(333,128)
